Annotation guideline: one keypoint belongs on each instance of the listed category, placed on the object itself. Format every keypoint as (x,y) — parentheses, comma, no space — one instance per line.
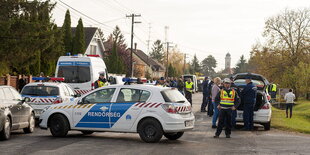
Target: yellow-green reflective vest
(227,99)
(274,88)
(189,86)
(101,84)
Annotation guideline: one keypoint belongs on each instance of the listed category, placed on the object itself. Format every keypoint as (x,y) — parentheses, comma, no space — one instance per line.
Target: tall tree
(117,59)
(286,50)
(66,28)
(242,65)
(79,39)
(26,33)
(157,51)
(208,65)
(195,67)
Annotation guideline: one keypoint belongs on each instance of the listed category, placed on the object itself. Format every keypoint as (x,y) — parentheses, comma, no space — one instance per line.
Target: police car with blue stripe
(151,111)
(43,94)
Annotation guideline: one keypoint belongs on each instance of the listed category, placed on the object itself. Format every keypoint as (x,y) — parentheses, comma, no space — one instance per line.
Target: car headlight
(46,108)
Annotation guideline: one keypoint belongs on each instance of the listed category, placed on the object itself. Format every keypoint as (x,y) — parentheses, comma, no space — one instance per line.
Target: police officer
(189,87)
(102,81)
(227,100)
(272,90)
(248,96)
(206,94)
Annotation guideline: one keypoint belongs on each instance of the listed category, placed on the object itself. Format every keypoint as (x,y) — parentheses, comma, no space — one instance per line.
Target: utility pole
(132,16)
(149,40)
(184,63)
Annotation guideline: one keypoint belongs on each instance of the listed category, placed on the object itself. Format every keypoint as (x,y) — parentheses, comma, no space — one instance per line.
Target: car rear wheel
(31,126)
(150,130)
(59,126)
(174,136)
(267,125)
(87,132)
(5,134)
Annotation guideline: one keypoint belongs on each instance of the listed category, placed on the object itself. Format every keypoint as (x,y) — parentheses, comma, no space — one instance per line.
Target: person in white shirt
(289,98)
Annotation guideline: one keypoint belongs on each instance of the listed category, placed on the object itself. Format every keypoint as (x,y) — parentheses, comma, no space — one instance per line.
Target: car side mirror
(26,99)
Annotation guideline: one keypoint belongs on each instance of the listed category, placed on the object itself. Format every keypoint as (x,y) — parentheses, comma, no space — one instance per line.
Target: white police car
(150,111)
(43,94)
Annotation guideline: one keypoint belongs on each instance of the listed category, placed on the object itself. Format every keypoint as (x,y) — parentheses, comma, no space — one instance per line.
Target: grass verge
(300,121)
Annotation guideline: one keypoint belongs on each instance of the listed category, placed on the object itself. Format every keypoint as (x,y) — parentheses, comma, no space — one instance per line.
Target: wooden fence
(14,81)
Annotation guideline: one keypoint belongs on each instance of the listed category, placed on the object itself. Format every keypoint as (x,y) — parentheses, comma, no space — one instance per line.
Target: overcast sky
(201,27)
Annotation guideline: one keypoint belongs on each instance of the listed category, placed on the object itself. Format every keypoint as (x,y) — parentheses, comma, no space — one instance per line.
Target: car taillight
(169,108)
(57,100)
(92,86)
(268,97)
(266,106)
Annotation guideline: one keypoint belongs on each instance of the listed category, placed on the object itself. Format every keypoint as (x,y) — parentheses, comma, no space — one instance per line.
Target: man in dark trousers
(227,100)
(206,94)
(189,87)
(248,96)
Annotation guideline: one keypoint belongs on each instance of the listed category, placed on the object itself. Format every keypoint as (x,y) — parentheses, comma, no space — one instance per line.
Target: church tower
(227,62)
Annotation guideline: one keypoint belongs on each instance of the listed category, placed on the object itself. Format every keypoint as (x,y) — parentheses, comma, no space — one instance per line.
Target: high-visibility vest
(274,88)
(227,99)
(189,86)
(101,84)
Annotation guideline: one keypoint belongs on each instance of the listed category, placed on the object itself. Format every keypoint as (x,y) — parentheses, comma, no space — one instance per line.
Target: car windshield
(74,74)
(242,83)
(173,95)
(40,91)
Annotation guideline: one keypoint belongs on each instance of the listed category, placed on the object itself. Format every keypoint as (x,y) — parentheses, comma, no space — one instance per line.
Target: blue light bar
(39,78)
(129,79)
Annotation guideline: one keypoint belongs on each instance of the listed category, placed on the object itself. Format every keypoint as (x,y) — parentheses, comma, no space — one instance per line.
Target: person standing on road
(227,100)
(214,91)
(210,105)
(189,87)
(289,98)
(234,112)
(102,81)
(206,94)
(248,96)
(180,85)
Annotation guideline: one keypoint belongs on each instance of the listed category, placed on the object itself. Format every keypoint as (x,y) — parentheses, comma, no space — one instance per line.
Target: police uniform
(189,86)
(101,83)
(248,96)
(227,98)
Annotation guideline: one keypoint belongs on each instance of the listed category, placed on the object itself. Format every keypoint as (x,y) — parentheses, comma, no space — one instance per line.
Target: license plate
(189,123)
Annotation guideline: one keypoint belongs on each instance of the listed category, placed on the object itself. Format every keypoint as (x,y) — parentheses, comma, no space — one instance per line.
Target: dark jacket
(180,85)
(248,94)
(236,101)
(205,87)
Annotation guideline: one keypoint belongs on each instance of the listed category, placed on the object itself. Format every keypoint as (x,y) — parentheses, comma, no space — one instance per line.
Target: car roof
(3,86)
(138,86)
(45,83)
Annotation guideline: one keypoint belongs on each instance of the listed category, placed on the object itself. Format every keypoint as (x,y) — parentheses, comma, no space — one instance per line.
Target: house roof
(89,33)
(151,62)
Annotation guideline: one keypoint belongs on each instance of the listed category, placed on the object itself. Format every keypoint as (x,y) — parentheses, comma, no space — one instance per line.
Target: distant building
(143,64)
(93,41)
(228,69)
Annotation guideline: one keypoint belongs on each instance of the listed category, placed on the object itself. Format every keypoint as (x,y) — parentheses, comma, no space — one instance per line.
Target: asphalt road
(198,141)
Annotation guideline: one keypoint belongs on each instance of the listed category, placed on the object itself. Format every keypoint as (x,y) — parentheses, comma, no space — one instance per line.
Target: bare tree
(289,32)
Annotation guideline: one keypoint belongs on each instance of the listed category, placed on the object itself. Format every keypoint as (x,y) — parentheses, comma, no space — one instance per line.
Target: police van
(151,111)
(80,71)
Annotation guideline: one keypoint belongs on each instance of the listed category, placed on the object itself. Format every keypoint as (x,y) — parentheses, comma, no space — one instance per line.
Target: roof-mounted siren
(56,79)
(129,80)
(91,55)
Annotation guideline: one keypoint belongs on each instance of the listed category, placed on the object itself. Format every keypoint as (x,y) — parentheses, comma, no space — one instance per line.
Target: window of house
(93,49)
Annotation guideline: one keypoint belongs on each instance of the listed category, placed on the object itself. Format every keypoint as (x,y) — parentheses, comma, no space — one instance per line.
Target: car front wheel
(150,130)
(174,136)
(59,126)
(31,126)
(5,134)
